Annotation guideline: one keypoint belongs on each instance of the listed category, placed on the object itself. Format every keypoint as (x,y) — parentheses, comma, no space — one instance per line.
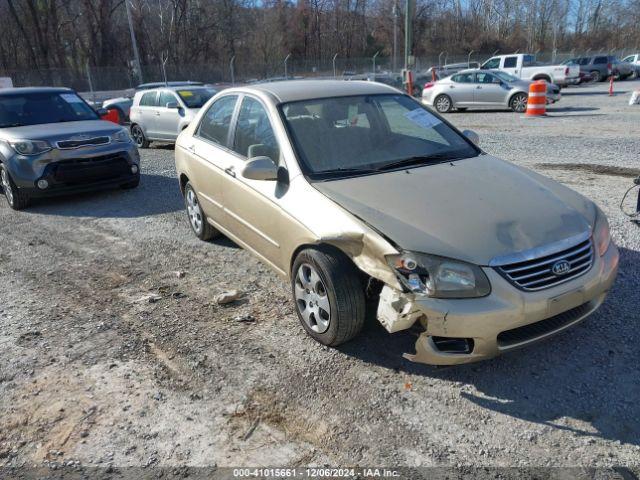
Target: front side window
(628,59)
(511,62)
(215,124)
(343,136)
(17,110)
(254,135)
(492,63)
(167,97)
(482,77)
(600,61)
(149,99)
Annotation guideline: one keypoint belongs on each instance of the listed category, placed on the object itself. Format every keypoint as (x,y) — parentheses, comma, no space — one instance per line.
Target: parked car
(358,195)
(449,69)
(600,67)
(122,104)
(525,67)
(179,83)
(52,142)
(481,88)
(634,61)
(162,113)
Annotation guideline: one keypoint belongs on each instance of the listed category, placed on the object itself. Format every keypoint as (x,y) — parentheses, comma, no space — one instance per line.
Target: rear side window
(600,61)
(583,61)
(216,122)
(254,135)
(510,62)
(149,99)
(463,78)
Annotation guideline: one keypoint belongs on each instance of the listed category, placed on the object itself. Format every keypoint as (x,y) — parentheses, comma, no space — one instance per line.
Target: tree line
(70,34)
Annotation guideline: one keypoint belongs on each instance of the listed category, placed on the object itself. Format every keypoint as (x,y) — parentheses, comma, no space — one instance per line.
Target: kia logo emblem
(561,267)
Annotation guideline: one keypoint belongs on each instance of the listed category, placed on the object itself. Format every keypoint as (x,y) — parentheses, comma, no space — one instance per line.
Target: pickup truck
(524,66)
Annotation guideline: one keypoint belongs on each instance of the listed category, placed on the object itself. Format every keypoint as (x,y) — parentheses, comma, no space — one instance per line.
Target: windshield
(369,133)
(505,77)
(17,110)
(195,97)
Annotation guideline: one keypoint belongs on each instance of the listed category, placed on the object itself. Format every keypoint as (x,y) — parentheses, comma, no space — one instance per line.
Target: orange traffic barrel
(537,102)
(112,115)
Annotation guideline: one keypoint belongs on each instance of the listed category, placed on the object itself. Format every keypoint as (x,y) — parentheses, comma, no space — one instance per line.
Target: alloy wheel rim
(193,209)
(137,134)
(312,299)
(6,185)
(520,103)
(443,104)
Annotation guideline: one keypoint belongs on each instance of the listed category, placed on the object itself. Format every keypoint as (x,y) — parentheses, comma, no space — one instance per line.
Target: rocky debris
(247,318)
(228,297)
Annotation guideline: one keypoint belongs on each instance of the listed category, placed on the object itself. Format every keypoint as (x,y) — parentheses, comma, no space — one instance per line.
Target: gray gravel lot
(113,350)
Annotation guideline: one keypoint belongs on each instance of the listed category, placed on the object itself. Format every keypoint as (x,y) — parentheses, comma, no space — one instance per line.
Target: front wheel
(329,295)
(16,199)
(138,137)
(595,76)
(518,102)
(443,103)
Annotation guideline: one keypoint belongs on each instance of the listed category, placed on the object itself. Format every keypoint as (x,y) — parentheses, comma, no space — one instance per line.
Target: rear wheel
(139,137)
(197,218)
(16,199)
(443,103)
(518,102)
(595,76)
(329,295)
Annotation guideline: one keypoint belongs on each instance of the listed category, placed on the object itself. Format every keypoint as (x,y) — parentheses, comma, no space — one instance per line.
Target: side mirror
(471,135)
(260,168)
(172,105)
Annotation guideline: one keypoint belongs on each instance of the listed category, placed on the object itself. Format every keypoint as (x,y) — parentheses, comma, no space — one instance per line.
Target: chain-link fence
(238,70)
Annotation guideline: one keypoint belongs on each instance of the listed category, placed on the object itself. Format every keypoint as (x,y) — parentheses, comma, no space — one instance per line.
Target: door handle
(230,171)
(191,148)
(157,114)
(452,86)
(479,87)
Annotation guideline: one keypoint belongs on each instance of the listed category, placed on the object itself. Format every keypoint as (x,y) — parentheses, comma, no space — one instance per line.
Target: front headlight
(438,276)
(122,136)
(30,147)
(601,233)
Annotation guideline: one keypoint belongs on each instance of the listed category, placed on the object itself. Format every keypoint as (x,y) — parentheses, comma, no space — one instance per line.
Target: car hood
(61,131)
(473,209)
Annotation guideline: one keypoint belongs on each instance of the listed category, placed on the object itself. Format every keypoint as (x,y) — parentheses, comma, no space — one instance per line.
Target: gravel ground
(113,351)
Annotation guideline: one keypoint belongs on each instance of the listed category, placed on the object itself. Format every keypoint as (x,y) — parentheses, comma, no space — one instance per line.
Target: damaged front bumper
(468,330)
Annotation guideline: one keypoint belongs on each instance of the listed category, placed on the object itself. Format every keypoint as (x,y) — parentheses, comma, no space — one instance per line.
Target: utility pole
(136,55)
(408,15)
(395,35)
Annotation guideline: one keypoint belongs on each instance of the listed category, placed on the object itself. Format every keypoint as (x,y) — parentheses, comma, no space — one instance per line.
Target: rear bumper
(510,318)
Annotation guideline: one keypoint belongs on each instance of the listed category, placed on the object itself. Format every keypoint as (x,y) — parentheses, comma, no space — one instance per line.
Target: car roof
(296,90)
(152,85)
(23,90)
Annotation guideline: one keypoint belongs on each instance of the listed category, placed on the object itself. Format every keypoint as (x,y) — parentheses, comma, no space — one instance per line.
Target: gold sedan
(358,195)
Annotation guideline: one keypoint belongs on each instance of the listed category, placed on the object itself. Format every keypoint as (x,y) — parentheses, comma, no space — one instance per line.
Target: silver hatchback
(481,88)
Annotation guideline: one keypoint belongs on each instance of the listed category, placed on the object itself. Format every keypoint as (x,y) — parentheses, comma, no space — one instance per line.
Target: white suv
(162,113)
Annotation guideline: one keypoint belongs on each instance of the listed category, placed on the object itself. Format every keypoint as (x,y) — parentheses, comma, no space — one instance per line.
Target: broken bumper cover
(509,318)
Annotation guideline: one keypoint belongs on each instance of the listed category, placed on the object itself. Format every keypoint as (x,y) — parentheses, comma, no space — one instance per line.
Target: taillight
(428,85)
(609,67)
(566,72)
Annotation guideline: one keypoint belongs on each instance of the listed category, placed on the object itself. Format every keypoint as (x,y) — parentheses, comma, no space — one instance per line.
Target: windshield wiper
(418,160)
(346,170)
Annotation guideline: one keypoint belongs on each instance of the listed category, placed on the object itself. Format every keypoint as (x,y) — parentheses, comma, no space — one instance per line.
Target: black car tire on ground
(443,103)
(516,104)
(138,137)
(16,198)
(341,285)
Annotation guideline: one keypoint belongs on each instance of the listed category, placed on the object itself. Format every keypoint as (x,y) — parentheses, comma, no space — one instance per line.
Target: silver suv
(52,142)
(162,113)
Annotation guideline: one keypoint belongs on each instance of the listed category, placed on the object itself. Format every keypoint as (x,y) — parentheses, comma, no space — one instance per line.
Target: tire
(326,277)
(443,103)
(16,198)
(595,76)
(197,219)
(518,102)
(138,137)
(461,109)
(634,75)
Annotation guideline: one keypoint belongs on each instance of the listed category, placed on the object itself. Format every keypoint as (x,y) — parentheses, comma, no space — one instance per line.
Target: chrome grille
(537,274)
(85,142)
